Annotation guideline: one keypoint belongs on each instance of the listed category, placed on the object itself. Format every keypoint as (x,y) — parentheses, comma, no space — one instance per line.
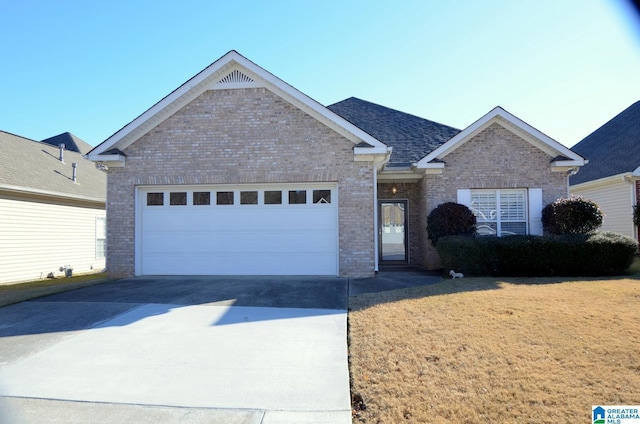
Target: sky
(563,66)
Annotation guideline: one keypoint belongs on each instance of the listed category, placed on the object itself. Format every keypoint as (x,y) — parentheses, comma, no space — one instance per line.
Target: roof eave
(111,160)
(51,194)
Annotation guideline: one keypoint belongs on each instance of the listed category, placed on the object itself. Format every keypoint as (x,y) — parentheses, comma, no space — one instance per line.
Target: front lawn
(479,350)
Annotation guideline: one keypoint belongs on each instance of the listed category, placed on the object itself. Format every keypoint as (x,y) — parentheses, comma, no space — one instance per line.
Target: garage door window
(224,198)
(321,196)
(297,197)
(201,198)
(155,199)
(272,197)
(178,198)
(248,197)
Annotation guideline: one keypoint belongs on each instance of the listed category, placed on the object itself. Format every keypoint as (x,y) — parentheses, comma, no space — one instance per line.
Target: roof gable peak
(500,116)
(229,72)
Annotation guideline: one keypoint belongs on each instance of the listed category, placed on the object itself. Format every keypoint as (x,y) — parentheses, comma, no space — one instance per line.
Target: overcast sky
(563,66)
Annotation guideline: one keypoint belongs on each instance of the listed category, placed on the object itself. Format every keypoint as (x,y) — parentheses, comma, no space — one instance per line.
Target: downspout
(375,218)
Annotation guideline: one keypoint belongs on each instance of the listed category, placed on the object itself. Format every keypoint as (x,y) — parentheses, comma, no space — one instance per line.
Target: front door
(393,231)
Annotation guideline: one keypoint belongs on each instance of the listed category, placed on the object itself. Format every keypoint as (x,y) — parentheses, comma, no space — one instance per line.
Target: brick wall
(495,158)
(243,136)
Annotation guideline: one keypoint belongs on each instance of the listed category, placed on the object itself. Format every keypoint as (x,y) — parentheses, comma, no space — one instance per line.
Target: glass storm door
(393,231)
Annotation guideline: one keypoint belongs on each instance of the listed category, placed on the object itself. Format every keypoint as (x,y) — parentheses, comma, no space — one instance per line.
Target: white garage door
(237,230)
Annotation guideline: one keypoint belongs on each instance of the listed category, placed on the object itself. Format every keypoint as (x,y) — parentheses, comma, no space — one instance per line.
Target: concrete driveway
(180,350)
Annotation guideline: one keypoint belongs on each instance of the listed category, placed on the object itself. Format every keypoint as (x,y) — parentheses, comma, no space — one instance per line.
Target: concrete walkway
(188,350)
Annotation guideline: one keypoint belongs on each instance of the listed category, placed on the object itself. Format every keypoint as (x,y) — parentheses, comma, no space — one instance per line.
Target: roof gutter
(52,194)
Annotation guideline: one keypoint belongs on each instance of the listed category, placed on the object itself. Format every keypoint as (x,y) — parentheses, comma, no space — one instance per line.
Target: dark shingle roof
(612,149)
(71,143)
(32,166)
(411,137)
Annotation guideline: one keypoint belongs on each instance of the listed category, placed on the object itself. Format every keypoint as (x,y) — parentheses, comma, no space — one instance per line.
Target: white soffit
(231,71)
(509,122)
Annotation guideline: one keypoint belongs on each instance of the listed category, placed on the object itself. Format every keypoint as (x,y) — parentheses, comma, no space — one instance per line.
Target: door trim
(382,261)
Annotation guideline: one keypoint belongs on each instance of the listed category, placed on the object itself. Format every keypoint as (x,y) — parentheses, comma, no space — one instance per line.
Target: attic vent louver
(235,77)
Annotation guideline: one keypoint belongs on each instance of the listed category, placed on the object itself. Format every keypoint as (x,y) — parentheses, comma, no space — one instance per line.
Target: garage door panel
(298,239)
(248,243)
(231,264)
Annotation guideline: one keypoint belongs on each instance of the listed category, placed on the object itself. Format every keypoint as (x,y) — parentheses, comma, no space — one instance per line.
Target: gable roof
(230,71)
(70,141)
(30,166)
(564,158)
(612,149)
(410,136)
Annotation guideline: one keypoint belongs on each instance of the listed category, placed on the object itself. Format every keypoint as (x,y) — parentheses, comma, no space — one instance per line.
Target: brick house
(237,172)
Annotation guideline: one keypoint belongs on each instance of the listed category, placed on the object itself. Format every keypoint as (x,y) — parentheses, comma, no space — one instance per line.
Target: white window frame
(101,238)
(496,215)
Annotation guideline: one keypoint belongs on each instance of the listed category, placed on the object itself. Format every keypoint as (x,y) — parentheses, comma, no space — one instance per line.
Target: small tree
(450,219)
(575,215)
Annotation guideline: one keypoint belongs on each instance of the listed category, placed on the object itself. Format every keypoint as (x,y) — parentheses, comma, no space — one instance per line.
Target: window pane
(512,206)
(487,228)
(483,206)
(297,197)
(321,196)
(155,199)
(273,197)
(513,228)
(178,198)
(248,197)
(224,198)
(101,238)
(201,198)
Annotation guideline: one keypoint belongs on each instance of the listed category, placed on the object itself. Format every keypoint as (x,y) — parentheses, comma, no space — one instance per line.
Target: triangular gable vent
(235,79)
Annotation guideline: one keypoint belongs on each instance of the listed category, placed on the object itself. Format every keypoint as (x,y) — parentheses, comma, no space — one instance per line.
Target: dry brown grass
(481,350)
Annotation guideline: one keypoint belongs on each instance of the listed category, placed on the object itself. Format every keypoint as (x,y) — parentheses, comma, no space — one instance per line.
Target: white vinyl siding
(615,199)
(38,238)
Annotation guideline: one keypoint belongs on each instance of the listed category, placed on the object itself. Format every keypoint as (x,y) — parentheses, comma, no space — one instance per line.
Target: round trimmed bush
(450,219)
(575,215)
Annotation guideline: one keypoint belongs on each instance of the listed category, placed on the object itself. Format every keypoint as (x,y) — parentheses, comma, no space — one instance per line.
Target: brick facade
(243,136)
(495,158)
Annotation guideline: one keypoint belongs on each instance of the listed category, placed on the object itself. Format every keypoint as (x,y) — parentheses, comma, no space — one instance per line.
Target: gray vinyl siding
(37,238)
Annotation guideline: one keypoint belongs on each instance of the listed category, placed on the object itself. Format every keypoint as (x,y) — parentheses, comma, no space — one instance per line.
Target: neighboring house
(612,176)
(70,142)
(48,221)
(237,172)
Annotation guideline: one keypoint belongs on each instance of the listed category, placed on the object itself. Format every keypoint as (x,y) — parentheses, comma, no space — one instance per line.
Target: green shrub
(636,215)
(529,256)
(449,219)
(575,215)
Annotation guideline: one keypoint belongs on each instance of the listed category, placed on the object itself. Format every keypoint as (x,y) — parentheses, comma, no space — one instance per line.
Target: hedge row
(566,255)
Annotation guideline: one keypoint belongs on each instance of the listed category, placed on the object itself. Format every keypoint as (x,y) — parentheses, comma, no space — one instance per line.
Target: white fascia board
(50,194)
(372,150)
(510,122)
(399,175)
(312,107)
(136,128)
(612,179)
(112,160)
